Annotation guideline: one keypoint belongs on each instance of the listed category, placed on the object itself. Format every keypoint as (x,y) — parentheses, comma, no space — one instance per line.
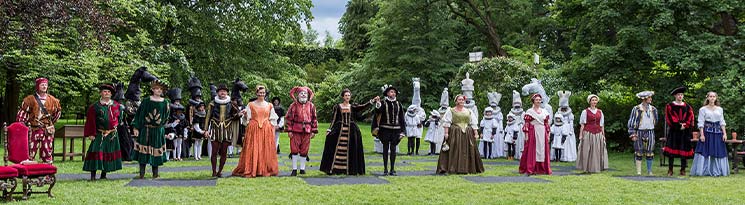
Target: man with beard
(220,115)
(389,126)
(302,125)
(40,111)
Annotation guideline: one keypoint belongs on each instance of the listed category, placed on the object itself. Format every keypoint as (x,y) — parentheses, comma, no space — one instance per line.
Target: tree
(497,20)
(328,40)
(409,39)
(354,26)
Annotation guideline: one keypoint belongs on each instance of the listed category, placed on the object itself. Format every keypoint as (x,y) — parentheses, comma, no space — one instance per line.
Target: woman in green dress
(100,126)
(151,116)
(461,136)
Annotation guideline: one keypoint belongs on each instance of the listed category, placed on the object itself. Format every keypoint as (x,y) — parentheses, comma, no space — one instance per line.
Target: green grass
(602,188)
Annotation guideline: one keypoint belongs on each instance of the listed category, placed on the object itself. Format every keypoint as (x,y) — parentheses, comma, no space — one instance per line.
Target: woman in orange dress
(259,154)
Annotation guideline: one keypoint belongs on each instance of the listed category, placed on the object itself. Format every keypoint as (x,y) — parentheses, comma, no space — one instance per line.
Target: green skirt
(103,154)
(150,147)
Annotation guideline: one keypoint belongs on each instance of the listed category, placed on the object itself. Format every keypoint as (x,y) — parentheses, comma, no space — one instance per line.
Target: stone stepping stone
(563,168)
(87,176)
(171,183)
(328,181)
(651,178)
(408,173)
(523,179)
(502,163)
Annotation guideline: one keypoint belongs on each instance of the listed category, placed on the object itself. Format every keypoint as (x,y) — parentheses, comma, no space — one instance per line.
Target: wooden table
(736,158)
(70,132)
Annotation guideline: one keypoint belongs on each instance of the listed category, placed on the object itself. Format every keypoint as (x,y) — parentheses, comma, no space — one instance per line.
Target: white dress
(412,130)
(570,145)
(435,133)
(496,138)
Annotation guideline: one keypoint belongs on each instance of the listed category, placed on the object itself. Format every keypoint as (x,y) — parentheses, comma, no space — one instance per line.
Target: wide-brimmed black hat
(681,89)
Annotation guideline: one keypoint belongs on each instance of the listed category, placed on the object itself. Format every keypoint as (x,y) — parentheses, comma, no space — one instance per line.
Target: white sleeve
(281,122)
(474,121)
(198,129)
(701,117)
(273,117)
(247,116)
(602,119)
(721,117)
(583,117)
(447,119)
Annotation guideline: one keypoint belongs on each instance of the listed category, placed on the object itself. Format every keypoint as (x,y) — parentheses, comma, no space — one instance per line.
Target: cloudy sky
(326,15)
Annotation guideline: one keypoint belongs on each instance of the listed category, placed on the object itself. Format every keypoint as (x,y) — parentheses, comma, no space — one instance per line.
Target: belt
(106,132)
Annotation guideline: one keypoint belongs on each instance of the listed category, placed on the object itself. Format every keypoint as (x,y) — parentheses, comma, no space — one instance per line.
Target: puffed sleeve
(701,117)
(272,116)
(583,117)
(474,121)
(247,117)
(721,117)
(602,118)
(447,119)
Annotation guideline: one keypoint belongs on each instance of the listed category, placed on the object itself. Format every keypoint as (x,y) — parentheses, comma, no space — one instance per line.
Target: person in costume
(434,129)
(389,126)
(343,152)
(498,149)
(461,137)
(259,156)
(436,133)
(281,121)
(710,158)
(302,125)
(101,121)
(518,113)
(679,120)
(413,129)
(559,135)
(536,154)
(511,133)
(194,85)
(149,122)
(593,154)
(415,117)
(489,130)
(569,154)
(219,118)
(642,121)
(123,128)
(39,112)
(197,135)
(176,126)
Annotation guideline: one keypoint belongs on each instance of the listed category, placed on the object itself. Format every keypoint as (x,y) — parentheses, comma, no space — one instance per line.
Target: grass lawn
(602,188)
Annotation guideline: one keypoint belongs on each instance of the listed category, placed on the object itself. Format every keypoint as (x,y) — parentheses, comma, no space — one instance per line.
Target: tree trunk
(12,89)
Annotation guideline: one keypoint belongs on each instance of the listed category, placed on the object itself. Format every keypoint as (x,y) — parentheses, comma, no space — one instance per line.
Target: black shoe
(302,171)
(385,172)
(294,173)
(393,173)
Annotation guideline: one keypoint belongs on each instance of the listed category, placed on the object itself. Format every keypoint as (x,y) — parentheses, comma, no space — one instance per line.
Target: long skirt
(593,155)
(103,154)
(711,155)
(259,153)
(463,156)
(343,152)
(150,147)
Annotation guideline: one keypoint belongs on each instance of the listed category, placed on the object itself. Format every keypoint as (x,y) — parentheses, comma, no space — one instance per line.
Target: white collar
(218,101)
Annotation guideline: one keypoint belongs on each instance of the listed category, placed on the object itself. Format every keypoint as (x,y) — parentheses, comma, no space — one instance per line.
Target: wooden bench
(70,132)
(735,154)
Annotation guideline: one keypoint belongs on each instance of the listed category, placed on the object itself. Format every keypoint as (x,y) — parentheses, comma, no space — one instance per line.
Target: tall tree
(354,26)
(411,38)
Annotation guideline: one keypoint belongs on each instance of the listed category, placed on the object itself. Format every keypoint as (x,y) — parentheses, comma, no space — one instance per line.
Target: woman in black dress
(343,153)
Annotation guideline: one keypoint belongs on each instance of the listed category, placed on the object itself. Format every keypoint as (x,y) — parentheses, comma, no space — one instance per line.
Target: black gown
(125,139)
(343,152)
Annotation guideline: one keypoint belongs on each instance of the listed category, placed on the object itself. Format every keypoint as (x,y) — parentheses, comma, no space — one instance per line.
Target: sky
(326,15)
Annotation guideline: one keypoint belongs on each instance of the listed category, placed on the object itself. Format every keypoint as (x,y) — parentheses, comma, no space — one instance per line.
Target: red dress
(528,162)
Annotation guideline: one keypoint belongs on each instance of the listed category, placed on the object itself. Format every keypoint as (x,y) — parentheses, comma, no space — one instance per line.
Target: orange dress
(259,154)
